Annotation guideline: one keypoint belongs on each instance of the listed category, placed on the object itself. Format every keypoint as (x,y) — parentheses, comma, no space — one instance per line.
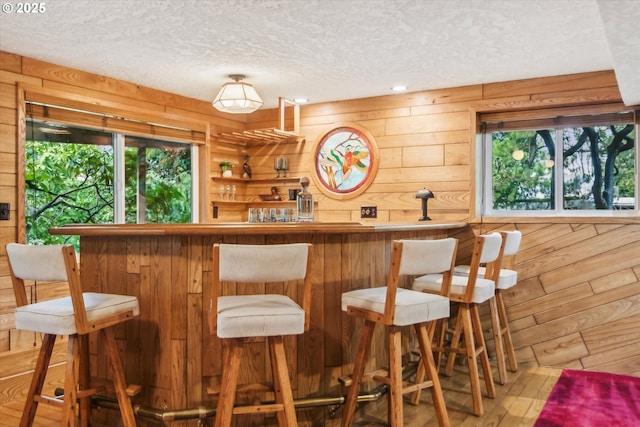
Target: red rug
(592,399)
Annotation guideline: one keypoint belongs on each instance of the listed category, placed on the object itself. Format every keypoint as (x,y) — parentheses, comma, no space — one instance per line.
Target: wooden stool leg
(126,410)
(414,399)
(498,342)
(506,332)
(282,382)
(70,403)
(436,328)
(429,365)
(39,375)
(395,376)
(484,358)
(472,361)
(455,343)
(229,382)
(358,370)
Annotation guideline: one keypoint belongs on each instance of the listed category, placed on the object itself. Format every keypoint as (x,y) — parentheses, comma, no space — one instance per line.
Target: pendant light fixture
(237,97)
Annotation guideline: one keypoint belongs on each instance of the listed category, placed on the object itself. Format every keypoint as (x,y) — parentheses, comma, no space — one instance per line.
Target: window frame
(113,113)
(558,185)
(481,160)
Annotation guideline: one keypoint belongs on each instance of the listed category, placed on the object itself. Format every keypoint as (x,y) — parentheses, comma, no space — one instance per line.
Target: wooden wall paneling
(133,331)
(614,336)
(330,285)
(194,358)
(584,81)
(178,372)
(161,308)
(180,265)
(619,278)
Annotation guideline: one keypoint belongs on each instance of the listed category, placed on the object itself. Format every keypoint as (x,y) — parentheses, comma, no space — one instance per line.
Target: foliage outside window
(570,170)
(70,178)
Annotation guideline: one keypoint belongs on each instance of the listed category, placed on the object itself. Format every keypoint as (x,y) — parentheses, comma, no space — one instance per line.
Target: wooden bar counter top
(169,350)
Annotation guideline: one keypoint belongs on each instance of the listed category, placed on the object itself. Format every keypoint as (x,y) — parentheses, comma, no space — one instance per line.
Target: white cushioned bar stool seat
(411,307)
(394,307)
(75,315)
(484,289)
(57,316)
(240,319)
(258,316)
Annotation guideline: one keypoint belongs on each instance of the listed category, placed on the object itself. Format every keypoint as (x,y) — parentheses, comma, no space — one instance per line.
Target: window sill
(555,220)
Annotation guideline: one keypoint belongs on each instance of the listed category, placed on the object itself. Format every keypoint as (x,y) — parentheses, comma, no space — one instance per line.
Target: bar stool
(76,315)
(396,307)
(468,292)
(240,319)
(507,278)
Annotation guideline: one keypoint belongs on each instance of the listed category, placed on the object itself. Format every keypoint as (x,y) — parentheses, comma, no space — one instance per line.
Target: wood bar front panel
(169,349)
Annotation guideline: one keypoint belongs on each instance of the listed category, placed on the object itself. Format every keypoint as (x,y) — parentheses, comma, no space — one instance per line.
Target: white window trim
(485,190)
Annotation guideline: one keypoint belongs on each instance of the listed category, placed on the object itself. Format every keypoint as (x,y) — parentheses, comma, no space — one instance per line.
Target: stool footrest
(133,390)
(412,387)
(367,376)
(49,400)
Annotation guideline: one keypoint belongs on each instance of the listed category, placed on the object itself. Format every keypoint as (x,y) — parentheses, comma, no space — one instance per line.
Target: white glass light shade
(237,97)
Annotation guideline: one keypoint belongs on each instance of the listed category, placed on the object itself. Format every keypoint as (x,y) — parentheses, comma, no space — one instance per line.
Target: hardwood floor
(517,403)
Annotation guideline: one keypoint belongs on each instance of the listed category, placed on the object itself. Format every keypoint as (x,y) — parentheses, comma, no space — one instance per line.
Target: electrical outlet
(5,208)
(368,211)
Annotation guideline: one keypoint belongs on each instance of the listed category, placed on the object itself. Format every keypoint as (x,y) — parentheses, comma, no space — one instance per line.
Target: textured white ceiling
(329,50)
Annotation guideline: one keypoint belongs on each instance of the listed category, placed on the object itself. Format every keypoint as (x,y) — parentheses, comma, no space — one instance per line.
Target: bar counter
(169,349)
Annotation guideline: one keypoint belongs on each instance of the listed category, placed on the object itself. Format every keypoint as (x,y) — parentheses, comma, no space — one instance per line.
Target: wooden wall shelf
(259,137)
(257,181)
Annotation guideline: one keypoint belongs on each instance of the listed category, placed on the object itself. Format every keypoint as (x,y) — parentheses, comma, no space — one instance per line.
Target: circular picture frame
(345,161)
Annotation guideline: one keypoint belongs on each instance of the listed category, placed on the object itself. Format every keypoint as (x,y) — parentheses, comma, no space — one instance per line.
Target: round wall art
(346,161)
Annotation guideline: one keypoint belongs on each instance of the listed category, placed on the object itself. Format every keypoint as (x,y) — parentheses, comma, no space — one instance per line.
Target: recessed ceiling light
(300,100)
(399,88)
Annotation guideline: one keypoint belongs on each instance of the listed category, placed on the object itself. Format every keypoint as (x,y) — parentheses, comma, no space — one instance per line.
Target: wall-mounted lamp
(237,97)
(425,195)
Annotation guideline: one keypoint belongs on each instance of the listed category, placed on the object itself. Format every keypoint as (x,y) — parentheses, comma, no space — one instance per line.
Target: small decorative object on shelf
(246,169)
(281,163)
(225,167)
(273,196)
(304,202)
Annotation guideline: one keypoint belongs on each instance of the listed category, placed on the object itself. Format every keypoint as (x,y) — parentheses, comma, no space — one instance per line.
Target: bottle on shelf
(304,202)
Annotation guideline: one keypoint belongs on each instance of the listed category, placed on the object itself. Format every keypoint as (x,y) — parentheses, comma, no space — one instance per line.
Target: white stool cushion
(411,307)
(258,316)
(483,290)
(57,317)
(508,278)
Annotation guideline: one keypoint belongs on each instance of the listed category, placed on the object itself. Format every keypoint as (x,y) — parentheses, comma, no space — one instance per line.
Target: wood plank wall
(578,303)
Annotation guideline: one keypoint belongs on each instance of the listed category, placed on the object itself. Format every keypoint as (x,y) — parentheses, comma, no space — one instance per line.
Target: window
(564,165)
(77,175)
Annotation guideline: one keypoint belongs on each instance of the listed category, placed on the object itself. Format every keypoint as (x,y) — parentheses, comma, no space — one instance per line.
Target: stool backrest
(487,250)
(261,264)
(416,258)
(47,263)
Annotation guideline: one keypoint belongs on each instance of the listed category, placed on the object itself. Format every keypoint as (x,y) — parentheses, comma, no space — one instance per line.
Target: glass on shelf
(277,165)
